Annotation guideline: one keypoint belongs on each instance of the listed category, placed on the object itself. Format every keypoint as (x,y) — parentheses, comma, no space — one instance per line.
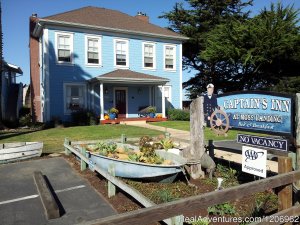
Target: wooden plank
(111,187)
(50,205)
(285,193)
(83,164)
(193,203)
(281,217)
(197,136)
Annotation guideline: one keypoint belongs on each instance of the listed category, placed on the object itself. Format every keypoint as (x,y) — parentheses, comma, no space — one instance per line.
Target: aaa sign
(254,161)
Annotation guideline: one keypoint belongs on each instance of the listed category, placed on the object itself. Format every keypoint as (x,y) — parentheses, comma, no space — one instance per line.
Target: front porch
(129,92)
(131,120)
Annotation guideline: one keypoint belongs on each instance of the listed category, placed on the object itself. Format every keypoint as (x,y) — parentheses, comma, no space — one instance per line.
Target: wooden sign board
(278,145)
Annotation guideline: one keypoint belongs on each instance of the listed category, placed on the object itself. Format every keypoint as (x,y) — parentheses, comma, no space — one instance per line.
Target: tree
(196,21)
(257,53)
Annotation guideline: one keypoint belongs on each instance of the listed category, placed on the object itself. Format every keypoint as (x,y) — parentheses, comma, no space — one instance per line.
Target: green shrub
(25,120)
(83,118)
(24,111)
(178,114)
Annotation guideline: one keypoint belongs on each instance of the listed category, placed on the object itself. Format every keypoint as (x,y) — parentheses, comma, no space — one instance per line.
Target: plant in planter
(113,112)
(151,110)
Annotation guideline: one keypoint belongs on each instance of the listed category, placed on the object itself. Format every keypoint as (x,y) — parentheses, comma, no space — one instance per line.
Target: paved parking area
(20,203)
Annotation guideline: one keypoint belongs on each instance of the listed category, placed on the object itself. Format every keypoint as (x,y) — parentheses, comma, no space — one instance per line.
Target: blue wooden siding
(79,72)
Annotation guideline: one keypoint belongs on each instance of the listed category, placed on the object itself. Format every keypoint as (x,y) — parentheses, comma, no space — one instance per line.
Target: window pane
(64,55)
(64,42)
(169,63)
(75,97)
(148,62)
(121,59)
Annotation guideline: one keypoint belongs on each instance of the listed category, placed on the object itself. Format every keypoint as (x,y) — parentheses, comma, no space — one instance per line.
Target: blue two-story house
(97,58)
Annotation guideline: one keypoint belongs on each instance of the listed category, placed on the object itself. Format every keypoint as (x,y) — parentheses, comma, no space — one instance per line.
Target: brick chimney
(142,16)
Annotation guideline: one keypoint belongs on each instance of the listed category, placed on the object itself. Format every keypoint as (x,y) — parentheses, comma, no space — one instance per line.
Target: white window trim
(114,97)
(99,38)
(174,59)
(154,56)
(66,111)
(71,47)
(127,55)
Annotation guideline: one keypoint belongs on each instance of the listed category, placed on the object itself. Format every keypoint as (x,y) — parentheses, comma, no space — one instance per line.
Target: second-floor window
(93,53)
(64,47)
(169,57)
(149,55)
(121,53)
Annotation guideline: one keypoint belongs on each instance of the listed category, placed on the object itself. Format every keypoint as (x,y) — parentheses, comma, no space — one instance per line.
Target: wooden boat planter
(140,170)
(10,152)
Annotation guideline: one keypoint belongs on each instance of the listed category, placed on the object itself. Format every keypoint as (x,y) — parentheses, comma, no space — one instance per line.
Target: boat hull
(145,171)
(11,152)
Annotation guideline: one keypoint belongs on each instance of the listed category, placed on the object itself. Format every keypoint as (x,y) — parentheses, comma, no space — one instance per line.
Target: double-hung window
(64,47)
(149,56)
(121,53)
(169,58)
(93,50)
(74,97)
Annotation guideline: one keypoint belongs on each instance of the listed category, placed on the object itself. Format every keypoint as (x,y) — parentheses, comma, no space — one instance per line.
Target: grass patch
(53,138)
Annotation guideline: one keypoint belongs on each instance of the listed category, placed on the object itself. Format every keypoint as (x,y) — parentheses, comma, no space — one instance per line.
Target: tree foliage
(234,51)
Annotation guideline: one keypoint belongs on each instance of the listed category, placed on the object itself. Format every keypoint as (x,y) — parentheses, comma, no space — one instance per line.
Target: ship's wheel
(219,122)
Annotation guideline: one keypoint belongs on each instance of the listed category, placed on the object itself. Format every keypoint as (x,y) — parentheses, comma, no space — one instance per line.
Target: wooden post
(123,138)
(211,149)
(297,109)
(197,136)
(67,152)
(83,164)
(111,187)
(285,193)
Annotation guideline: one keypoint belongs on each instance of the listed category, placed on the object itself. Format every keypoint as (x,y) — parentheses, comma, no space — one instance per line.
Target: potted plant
(151,110)
(113,113)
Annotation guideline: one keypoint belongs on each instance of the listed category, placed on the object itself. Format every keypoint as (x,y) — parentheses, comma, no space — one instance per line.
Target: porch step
(139,120)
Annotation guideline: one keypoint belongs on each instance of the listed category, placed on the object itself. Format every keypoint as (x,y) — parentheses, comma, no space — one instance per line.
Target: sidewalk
(181,135)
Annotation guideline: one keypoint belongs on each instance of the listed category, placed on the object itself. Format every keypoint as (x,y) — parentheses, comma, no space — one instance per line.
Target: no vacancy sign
(254,161)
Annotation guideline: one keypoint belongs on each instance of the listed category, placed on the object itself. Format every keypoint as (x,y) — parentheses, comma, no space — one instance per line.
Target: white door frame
(114,97)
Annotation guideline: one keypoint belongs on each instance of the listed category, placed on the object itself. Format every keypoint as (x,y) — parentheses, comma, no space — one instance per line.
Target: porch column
(163,101)
(101,102)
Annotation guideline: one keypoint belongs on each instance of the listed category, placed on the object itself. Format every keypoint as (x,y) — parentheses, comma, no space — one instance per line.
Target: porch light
(106,91)
(139,91)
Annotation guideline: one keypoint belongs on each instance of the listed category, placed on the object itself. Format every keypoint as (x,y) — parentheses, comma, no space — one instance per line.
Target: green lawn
(53,138)
(209,135)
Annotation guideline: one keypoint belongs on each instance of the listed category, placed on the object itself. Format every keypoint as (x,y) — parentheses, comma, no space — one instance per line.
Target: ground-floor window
(75,97)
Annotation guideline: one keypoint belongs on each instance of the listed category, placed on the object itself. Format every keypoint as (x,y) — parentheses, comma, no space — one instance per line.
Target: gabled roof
(129,76)
(94,17)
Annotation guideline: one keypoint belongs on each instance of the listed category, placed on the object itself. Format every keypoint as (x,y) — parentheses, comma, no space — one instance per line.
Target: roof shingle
(129,75)
(108,18)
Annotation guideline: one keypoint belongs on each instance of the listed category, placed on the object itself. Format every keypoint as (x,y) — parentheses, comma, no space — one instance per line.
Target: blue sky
(15,18)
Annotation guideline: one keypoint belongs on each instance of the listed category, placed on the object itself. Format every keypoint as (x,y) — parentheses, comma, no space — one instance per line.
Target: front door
(120,100)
